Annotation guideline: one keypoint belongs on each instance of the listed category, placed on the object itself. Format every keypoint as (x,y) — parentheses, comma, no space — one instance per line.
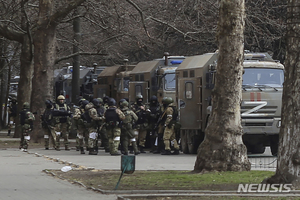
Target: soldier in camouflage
(92,119)
(155,111)
(63,123)
(113,120)
(142,124)
(101,126)
(26,121)
(126,130)
(79,124)
(12,111)
(167,126)
(48,124)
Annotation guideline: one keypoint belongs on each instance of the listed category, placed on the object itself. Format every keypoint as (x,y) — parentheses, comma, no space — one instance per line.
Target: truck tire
(183,142)
(191,140)
(257,149)
(274,140)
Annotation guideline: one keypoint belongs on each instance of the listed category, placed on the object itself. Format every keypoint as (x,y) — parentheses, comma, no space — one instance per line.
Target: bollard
(127,166)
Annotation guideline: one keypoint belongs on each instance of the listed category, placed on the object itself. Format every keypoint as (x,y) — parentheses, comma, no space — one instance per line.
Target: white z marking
(259,104)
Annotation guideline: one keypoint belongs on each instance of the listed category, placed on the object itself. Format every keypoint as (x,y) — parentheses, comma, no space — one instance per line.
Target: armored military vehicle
(156,77)
(261,100)
(113,82)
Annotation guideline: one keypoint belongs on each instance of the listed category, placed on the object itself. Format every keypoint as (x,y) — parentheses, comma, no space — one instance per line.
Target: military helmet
(61,97)
(153,98)
(96,102)
(105,99)
(84,103)
(26,105)
(80,101)
(139,96)
(124,104)
(167,100)
(100,100)
(111,102)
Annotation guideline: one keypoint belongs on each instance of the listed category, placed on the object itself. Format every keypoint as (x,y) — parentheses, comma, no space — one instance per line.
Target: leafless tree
(289,139)
(223,148)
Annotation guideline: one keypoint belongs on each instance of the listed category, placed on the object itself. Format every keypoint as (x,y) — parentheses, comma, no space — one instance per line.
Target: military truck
(63,81)
(113,82)
(261,100)
(156,77)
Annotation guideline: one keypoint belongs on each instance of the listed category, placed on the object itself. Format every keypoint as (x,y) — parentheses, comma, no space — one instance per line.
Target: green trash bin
(128,164)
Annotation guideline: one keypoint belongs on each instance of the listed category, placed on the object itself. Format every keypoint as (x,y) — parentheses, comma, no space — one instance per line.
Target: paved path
(22,178)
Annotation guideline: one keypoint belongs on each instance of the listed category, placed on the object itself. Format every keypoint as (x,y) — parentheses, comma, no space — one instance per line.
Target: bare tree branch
(79,53)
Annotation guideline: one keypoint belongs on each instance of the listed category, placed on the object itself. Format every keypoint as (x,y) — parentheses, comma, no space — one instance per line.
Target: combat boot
(166,152)
(82,150)
(92,151)
(176,152)
(115,154)
(142,150)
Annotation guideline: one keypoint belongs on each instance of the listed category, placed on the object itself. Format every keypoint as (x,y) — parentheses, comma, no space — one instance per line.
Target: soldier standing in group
(26,121)
(12,111)
(91,118)
(101,126)
(153,118)
(105,102)
(48,124)
(167,125)
(79,124)
(142,124)
(113,118)
(63,123)
(126,130)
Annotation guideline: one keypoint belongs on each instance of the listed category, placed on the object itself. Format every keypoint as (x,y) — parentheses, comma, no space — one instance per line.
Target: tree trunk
(44,56)
(24,86)
(288,163)
(223,148)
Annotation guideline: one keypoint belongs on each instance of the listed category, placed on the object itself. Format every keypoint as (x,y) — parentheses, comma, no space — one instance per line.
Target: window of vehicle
(138,90)
(126,84)
(263,76)
(188,90)
(170,81)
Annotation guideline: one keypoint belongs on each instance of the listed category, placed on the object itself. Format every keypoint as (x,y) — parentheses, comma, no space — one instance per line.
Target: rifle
(159,120)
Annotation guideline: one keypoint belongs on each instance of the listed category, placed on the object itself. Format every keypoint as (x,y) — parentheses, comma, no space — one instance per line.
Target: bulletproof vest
(154,113)
(62,107)
(13,110)
(111,115)
(23,116)
(86,116)
(100,111)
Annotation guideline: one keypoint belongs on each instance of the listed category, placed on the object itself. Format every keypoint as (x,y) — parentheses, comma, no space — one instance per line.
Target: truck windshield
(170,81)
(263,76)
(126,84)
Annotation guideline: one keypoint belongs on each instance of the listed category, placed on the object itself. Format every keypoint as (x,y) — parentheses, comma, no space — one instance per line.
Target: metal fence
(261,162)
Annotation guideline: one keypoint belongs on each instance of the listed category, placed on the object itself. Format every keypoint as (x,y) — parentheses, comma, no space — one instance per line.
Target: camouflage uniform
(142,123)
(113,118)
(155,111)
(12,111)
(91,123)
(26,121)
(63,124)
(127,131)
(101,126)
(48,124)
(80,126)
(168,125)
